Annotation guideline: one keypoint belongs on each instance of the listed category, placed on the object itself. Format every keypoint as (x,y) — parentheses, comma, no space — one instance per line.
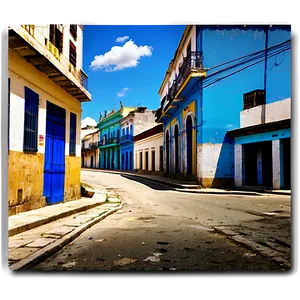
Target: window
(56,37)
(73,31)
(72,54)
(31,120)
(131,129)
(72,150)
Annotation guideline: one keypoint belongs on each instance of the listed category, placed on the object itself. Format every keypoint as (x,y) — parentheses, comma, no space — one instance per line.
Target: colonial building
(203,91)
(262,148)
(148,150)
(90,149)
(46,88)
(133,124)
(109,137)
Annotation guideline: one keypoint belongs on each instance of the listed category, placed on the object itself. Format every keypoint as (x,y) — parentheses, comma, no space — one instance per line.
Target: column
(150,159)
(116,158)
(238,165)
(276,164)
(107,158)
(110,158)
(136,162)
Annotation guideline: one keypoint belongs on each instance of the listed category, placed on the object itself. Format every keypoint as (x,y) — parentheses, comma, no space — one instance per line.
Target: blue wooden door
(54,167)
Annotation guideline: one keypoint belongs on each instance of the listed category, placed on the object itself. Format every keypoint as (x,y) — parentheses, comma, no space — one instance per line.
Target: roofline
(186,32)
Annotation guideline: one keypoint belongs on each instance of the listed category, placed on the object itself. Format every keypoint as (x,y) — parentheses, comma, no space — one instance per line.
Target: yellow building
(46,87)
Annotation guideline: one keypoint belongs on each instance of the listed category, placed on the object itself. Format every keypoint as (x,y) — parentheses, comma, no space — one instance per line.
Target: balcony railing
(126,138)
(193,61)
(110,141)
(83,79)
(173,90)
(52,49)
(93,145)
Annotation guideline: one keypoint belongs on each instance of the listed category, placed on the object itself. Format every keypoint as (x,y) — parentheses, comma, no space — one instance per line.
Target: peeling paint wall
(266,113)
(143,122)
(25,181)
(215,165)
(72,178)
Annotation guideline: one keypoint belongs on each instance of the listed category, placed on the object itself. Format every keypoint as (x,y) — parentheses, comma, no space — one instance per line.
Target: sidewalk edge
(34,224)
(57,245)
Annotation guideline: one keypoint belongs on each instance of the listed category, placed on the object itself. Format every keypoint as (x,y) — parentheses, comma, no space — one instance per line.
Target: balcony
(112,141)
(189,73)
(126,138)
(192,63)
(30,44)
(109,142)
(91,146)
(173,90)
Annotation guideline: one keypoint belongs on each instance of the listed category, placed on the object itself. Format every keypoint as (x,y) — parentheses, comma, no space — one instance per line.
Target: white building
(89,149)
(46,88)
(148,150)
(263,146)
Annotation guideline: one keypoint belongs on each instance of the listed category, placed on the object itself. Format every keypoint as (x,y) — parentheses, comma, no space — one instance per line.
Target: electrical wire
(209,83)
(286,45)
(247,55)
(245,61)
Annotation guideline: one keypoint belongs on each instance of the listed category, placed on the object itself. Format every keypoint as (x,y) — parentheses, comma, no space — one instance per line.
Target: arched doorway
(189,144)
(167,152)
(176,138)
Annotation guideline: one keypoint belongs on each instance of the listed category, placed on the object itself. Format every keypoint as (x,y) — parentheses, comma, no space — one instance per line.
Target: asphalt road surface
(159,229)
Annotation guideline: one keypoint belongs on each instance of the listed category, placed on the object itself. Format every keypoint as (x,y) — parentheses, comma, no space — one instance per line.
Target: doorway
(54,165)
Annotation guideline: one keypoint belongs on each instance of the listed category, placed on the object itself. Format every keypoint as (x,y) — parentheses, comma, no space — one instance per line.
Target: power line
(233,73)
(247,55)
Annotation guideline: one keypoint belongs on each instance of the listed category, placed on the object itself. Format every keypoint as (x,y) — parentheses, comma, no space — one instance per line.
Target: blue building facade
(126,146)
(109,135)
(204,90)
(135,122)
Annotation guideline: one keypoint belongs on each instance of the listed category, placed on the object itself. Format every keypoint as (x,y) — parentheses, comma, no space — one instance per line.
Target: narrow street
(161,229)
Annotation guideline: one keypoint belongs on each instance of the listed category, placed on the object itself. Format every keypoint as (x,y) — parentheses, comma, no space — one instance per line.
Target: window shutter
(72,150)
(31,121)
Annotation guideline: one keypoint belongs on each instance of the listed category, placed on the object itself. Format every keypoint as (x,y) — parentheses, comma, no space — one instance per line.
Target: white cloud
(122,92)
(121,57)
(122,39)
(88,121)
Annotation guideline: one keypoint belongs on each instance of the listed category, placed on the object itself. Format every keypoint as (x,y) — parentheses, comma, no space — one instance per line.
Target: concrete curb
(178,187)
(171,184)
(264,251)
(221,192)
(60,243)
(28,226)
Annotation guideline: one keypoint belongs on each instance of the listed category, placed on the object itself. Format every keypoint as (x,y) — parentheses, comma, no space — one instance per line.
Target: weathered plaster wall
(271,112)
(72,178)
(25,181)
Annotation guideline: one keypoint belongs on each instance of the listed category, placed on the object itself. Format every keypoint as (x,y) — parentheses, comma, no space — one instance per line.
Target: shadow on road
(151,184)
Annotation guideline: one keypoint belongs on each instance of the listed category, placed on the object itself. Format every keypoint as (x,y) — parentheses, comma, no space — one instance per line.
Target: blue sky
(132,72)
